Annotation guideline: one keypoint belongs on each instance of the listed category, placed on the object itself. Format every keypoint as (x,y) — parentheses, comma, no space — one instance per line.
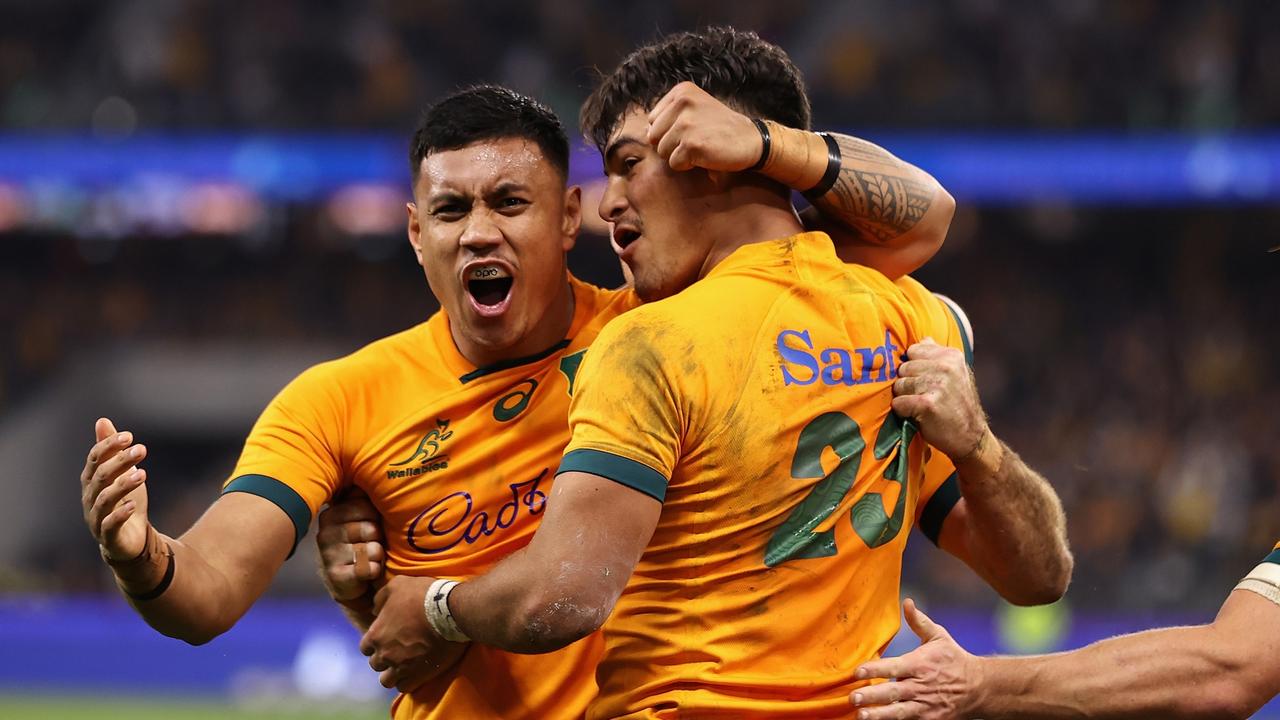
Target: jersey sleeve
(625,421)
(938,494)
(947,324)
(292,456)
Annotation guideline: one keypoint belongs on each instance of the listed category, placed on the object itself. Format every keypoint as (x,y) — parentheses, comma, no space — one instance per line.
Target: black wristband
(833,169)
(766,144)
(158,590)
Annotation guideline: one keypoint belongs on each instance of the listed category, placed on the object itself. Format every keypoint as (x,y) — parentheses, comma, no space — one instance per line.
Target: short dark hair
(750,74)
(488,112)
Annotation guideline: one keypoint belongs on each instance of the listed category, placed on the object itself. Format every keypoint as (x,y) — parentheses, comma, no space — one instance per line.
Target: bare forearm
(877,201)
(1169,673)
(1016,530)
(515,607)
(220,567)
(200,602)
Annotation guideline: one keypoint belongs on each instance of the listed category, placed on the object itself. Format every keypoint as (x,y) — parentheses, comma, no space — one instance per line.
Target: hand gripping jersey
(756,406)
(459,461)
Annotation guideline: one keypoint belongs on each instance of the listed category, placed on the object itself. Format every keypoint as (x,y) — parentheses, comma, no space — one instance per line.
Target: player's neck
(551,328)
(753,214)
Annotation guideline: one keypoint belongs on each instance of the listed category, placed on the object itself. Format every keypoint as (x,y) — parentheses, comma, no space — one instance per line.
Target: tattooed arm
(879,207)
(881,211)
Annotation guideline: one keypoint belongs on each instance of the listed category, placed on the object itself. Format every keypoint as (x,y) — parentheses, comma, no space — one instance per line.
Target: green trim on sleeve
(939,507)
(623,471)
(1274,557)
(964,336)
(285,497)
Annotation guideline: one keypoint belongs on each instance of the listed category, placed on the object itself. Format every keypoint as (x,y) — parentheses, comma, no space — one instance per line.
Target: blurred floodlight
(368,210)
(13,207)
(221,209)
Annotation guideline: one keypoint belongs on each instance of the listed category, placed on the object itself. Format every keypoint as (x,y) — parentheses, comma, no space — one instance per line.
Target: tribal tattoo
(876,193)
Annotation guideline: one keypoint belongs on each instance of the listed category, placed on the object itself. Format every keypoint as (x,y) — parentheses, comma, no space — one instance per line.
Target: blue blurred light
(1093,169)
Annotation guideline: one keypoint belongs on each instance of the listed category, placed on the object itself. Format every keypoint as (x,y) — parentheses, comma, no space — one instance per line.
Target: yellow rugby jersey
(459,461)
(756,406)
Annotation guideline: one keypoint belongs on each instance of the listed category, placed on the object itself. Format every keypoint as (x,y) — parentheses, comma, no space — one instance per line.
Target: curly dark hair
(749,74)
(488,112)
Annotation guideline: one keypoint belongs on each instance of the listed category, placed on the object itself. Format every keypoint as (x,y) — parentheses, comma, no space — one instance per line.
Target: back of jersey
(756,406)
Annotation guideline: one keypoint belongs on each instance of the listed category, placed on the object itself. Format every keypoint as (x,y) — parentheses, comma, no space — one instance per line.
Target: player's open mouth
(489,288)
(623,236)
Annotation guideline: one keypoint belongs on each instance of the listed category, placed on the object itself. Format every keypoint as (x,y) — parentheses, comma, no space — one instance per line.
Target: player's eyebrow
(506,187)
(446,196)
(616,146)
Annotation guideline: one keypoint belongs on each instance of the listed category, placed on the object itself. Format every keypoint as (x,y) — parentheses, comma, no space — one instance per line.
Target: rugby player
(1223,670)
(453,427)
(734,453)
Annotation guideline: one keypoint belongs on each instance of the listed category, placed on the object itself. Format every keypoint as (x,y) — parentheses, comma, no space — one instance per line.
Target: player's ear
(415,230)
(572,221)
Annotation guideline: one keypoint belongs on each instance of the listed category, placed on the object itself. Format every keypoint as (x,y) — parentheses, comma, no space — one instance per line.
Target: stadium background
(199,199)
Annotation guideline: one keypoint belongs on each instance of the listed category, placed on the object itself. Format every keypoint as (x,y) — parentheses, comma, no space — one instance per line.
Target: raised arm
(881,211)
(1008,525)
(1221,671)
(193,587)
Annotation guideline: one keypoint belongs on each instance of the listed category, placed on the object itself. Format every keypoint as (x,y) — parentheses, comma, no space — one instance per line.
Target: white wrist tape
(1263,580)
(436,605)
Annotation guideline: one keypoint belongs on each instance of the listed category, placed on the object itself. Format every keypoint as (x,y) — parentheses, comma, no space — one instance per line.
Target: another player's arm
(1217,671)
(351,550)
(562,586)
(193,587)
(881,211)
(1008,525)
(599,517)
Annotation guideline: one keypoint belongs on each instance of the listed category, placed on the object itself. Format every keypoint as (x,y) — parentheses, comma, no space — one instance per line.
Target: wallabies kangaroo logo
(429,447)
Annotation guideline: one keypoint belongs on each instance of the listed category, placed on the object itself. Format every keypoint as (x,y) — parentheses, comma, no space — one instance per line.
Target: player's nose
(481,232)
(613,203)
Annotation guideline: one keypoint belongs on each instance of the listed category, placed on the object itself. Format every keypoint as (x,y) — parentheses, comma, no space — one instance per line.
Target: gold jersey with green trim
(459,461)
(756,406)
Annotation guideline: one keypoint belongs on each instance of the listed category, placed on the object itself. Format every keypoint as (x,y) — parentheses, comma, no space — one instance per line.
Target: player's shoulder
(380,359)
(598,305)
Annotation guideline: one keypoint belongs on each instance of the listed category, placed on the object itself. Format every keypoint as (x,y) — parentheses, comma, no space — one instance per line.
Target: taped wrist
(148,575)
(794,156)
(436,607)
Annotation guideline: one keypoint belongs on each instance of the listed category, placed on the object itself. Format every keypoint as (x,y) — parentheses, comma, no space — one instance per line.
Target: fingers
(114,521)
(384,593)
(923,367)
(114,477)
(885,668)
(884,693)
(109,499)
(369,568)
(352,508)
(104,429)
(101,451)
(679,90)
(896,711)
(660,121)
(911,406)
(922,625)
(927,349)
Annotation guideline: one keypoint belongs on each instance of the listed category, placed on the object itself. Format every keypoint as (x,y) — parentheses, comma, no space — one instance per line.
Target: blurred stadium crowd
(979,64)
(1128,354)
